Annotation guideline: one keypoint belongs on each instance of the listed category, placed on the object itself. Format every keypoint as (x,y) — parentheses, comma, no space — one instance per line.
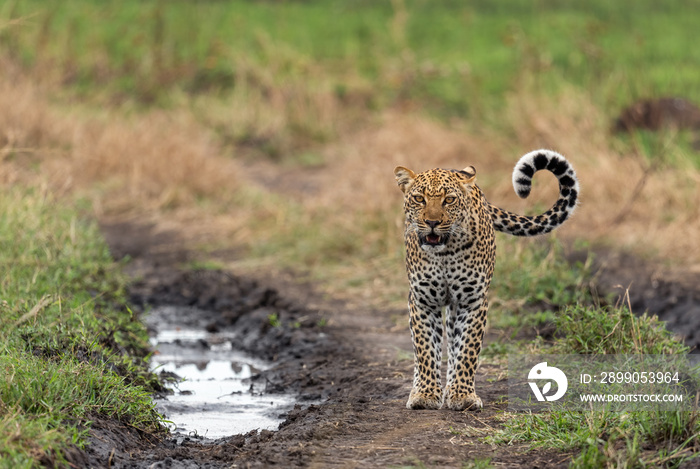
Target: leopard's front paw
(424,399)
(463,401)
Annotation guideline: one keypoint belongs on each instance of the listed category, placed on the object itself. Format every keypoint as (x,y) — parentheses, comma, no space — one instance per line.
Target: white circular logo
(550,373)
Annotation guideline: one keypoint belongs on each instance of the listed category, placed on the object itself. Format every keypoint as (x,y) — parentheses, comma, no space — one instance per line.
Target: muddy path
(349,369)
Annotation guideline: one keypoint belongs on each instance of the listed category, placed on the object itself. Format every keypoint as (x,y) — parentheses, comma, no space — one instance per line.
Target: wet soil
(350,369)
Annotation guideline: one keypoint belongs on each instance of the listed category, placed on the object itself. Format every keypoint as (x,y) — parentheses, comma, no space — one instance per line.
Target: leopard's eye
(450,199)
(419,199)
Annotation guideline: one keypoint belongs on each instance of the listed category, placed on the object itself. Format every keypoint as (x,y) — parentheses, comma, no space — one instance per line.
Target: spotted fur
(450,255)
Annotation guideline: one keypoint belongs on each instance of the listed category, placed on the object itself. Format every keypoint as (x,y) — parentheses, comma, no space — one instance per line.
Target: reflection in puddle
(215,397)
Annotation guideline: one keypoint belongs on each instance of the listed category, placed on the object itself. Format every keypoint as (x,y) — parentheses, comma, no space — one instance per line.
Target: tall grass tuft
(613,330)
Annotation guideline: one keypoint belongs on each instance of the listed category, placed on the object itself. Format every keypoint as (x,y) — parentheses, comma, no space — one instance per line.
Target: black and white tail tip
(552,161)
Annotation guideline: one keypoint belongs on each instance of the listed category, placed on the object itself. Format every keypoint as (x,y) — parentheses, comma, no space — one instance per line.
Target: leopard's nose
(432,223)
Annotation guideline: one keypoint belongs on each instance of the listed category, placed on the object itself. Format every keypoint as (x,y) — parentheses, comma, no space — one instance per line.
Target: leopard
(449,235)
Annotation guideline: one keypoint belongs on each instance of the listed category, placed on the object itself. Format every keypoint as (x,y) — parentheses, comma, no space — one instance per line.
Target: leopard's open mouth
(433,239)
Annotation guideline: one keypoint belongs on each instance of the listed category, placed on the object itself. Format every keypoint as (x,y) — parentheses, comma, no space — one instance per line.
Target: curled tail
(525,169)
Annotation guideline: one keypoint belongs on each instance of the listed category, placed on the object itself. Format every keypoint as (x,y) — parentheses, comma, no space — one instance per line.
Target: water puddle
(213,394)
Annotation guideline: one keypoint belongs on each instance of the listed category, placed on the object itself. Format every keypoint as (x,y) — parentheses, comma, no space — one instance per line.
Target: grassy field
(71,350)
(450,56)
(273,128)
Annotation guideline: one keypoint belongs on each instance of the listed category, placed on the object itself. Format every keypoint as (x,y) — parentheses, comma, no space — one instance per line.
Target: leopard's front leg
(426,331)
(466,323)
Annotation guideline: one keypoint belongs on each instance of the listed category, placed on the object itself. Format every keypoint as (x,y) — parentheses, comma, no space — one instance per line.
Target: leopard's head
(435,203)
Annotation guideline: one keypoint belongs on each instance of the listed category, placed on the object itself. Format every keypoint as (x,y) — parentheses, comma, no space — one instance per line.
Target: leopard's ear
(467,175)
(404,178)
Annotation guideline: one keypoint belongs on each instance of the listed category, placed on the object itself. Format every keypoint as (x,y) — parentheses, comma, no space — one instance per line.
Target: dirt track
(356,369)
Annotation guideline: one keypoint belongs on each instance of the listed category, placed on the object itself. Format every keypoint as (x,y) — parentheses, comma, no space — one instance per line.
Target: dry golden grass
(160,168)
(626,200)
(146,162)
(172,168)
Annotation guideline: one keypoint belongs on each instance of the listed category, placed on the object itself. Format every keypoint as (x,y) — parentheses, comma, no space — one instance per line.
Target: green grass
(478,463)
(612,439)
(455,58)
(281,78)
(71,351)
(638,439)
(533,280)
(535,285)
(612,330)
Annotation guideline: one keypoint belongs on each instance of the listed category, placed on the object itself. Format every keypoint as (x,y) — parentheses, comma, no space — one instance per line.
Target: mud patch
(259,321)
